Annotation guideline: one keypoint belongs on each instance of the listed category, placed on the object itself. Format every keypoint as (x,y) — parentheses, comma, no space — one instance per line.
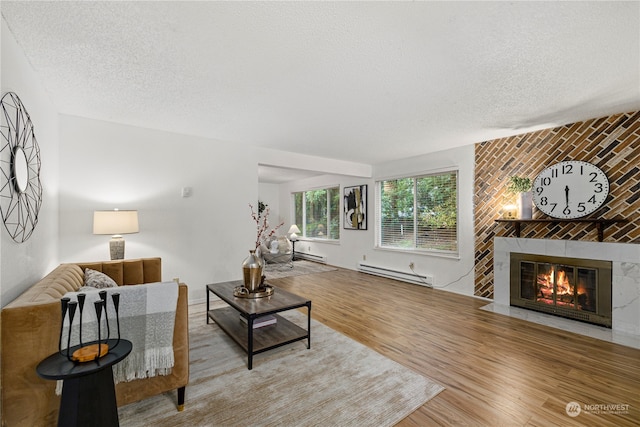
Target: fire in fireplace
(576,288)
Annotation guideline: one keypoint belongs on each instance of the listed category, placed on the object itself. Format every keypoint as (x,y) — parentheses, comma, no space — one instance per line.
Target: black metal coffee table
(258,340)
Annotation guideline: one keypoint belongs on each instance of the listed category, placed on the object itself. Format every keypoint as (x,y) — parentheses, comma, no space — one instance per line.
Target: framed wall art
(355,207)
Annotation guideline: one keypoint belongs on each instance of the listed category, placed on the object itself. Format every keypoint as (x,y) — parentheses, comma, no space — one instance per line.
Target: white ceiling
(358,81)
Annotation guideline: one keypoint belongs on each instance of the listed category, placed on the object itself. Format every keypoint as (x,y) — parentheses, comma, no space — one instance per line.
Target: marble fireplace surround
(625,258)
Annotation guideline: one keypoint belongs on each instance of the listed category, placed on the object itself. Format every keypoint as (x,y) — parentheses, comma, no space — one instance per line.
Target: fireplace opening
(575,288)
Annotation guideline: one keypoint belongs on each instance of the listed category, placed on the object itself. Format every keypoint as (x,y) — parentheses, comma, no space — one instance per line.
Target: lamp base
(116,247)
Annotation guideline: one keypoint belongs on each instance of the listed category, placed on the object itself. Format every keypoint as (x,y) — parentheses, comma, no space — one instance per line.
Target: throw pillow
(284,245)
(98,280)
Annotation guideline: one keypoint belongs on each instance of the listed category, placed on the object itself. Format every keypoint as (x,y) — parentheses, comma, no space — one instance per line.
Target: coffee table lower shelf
(265,338)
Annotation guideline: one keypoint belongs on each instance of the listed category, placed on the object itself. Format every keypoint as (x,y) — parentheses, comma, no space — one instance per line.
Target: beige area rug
(338,382)
(302,267)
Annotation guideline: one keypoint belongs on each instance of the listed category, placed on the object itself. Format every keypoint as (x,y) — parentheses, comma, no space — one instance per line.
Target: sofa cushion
(52,287)
(95,279)
(128,272)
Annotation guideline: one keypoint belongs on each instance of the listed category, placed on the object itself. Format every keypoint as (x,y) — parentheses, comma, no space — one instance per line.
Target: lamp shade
(292,232)
(115,222)
(293,229)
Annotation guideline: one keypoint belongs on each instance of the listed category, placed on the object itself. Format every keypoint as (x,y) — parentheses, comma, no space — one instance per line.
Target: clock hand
(566,193)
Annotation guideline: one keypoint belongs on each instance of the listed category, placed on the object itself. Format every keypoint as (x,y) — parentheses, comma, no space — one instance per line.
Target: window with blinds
(318,212)
(419,213)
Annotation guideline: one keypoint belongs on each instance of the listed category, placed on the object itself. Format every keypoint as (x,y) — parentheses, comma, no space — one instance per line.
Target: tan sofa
(30,331)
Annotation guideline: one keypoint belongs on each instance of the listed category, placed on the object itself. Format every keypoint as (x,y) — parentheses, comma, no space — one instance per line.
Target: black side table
(88,393)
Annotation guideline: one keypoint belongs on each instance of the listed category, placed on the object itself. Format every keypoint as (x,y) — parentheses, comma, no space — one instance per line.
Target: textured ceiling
(358,81)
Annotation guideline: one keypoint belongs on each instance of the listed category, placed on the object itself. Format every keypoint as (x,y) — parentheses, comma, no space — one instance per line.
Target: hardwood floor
(497,370)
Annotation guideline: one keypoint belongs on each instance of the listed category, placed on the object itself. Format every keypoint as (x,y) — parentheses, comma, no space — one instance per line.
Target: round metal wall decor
(20,187)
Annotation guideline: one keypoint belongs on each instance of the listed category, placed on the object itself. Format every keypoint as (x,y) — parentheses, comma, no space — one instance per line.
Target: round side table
(88,392)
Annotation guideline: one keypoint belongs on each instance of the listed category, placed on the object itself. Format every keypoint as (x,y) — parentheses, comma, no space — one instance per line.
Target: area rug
(337,382)
(278,271)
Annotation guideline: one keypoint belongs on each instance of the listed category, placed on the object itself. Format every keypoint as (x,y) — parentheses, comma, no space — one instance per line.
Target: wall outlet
(364,257)
(411,265)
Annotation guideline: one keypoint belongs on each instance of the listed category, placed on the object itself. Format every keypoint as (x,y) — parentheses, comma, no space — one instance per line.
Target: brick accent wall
(612,143)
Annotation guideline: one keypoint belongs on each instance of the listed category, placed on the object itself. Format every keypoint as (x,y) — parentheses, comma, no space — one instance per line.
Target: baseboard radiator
(311,257)
(390,273)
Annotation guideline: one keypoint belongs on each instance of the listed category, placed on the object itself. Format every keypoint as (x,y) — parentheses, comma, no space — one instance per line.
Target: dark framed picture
(355,207)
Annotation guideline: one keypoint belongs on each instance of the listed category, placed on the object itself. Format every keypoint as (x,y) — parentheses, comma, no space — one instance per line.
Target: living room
(91,162)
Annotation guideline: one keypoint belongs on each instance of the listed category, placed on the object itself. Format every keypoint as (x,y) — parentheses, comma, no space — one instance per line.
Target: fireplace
(575,288)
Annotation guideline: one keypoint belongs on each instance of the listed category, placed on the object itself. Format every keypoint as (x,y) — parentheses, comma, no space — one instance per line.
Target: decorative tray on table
(261,292)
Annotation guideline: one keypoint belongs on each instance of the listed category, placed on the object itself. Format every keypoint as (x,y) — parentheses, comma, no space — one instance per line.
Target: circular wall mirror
(20,169)
(20,186)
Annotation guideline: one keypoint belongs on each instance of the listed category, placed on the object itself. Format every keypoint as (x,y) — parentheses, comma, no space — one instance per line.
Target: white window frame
(303,226)
(424,251)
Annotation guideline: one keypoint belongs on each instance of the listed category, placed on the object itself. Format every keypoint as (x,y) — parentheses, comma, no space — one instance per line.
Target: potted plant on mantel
(521,187)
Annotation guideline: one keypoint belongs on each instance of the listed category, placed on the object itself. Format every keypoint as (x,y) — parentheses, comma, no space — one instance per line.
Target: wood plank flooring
(497,370)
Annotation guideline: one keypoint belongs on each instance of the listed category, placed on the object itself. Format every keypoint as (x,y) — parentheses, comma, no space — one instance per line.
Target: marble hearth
(625,260)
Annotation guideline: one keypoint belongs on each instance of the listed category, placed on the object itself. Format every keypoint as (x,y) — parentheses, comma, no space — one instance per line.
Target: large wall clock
(20,187)
(570,189)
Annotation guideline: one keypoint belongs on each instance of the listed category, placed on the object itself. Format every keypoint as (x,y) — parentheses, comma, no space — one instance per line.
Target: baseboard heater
(390,273)
(311,257)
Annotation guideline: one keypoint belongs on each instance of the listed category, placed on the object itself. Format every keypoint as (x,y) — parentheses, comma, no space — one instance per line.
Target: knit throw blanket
(147,318)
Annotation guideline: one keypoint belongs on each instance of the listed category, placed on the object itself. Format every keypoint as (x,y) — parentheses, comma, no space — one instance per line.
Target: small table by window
(88,393)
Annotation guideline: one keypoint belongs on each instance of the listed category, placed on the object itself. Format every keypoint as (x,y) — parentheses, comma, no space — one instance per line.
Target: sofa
(30,333)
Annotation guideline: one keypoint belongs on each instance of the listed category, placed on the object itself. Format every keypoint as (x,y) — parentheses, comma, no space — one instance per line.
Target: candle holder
(93,350)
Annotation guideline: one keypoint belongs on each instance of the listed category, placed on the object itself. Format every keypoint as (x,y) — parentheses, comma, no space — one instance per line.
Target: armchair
(278,250)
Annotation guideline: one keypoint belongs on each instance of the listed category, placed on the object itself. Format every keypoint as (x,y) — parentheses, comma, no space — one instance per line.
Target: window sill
(455,256)
(311,239)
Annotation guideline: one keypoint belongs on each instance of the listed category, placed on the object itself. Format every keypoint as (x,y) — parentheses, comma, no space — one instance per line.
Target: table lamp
(116,223)
(293,237)
(292,232)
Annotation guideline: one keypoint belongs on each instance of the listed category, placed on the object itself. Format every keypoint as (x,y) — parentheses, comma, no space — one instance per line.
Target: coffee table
(258,340)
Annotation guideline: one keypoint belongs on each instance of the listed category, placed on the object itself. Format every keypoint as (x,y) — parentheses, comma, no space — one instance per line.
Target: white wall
(22,264)
(451,274)
(269,194)
(201,239)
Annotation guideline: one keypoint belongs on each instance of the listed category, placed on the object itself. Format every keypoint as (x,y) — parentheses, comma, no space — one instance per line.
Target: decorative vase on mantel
(525,205)
(252,271)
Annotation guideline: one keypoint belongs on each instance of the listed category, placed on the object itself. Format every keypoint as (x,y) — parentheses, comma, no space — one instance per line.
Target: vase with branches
(252,266)
(263,228)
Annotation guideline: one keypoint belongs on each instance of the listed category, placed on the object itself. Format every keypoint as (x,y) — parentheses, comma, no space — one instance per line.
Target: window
(419,213)
(318,212)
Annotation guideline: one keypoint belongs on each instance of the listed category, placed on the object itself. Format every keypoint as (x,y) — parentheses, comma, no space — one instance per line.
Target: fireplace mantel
(600,223)
(625,258)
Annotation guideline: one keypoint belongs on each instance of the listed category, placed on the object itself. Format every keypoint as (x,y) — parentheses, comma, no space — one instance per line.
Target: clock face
(570,189)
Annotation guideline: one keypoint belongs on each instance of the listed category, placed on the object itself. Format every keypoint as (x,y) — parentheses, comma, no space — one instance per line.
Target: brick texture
(612,143)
